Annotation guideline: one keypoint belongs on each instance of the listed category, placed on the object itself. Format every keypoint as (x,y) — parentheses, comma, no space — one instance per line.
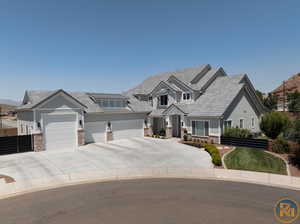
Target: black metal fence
(245,142)
(16,144)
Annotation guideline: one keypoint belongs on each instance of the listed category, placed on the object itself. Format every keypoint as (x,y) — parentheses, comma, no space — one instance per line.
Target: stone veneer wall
(38,142)
(169,132)
(81,139)
(109,136)
(209,139)
(148,131)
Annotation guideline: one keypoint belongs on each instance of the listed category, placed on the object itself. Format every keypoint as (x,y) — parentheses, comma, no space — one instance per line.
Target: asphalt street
(166,201)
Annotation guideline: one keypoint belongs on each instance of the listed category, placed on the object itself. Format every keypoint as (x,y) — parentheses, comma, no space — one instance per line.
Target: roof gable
(67,100)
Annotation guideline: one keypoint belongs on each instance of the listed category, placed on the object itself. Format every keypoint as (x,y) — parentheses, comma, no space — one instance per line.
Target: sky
(111,46)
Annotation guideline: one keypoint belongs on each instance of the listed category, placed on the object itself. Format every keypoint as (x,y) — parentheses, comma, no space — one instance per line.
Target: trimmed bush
(214,153)
(280,145)
(294,159)
(162,132)
(237,133)
(272,124)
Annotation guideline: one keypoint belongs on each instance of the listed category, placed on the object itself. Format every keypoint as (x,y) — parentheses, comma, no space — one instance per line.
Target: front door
(176,126)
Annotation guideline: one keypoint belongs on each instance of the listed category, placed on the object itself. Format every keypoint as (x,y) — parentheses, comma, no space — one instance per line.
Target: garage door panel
(95,131)
(127,129)
(60,131)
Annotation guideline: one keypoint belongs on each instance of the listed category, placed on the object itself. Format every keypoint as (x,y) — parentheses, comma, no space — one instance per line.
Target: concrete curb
(286,162)
(224,156)
(22,187)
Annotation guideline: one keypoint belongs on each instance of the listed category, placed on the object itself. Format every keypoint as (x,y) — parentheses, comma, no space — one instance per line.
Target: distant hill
(9,102)
(6,108)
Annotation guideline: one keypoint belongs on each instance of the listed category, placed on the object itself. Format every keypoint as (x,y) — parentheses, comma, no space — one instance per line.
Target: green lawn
(255,160)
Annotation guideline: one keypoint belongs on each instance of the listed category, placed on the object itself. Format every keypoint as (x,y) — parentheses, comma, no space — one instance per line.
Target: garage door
(60,131)
(95,131)
(127,129)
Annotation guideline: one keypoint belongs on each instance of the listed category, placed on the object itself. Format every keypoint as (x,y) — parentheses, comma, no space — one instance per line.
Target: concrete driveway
(127,153)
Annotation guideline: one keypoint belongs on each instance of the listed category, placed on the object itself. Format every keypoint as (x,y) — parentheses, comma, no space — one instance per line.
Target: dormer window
(163,100)
(186,96)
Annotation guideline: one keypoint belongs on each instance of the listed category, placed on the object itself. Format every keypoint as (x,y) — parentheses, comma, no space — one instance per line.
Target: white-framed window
(252,122)
(112,103)
(163,100)
(186,96)
(200,128)
(241,123)
(227,124)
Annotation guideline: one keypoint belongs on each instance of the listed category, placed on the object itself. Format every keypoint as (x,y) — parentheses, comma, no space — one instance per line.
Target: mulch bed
(7,179)
(294,170)
(223,149)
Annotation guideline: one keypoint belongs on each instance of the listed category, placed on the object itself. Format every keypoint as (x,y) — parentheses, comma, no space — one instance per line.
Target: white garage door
(95,131)
(60,131)
(127,128)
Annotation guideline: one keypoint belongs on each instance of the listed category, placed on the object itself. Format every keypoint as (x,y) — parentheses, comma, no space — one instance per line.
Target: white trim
(252,122)
(243,123)
(204,128)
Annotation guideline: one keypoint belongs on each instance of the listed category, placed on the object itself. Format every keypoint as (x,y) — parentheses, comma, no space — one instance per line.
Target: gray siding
(242,109)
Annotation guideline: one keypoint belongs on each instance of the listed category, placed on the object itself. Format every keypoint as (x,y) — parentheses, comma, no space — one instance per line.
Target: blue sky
(110,46)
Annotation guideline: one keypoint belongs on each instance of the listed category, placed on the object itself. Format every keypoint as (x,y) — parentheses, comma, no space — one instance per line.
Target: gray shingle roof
(216,98)
(184,75)
(37,96)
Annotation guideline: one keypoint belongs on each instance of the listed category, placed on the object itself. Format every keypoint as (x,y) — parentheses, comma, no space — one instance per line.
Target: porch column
(148,126)
(169,127)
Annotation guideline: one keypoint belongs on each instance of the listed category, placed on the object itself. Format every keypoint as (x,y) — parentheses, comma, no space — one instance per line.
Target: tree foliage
(270,101)
(237,133)
(293,101)
(273,124)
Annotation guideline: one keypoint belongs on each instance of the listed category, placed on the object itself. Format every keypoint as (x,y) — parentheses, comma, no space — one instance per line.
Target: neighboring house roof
(85,99)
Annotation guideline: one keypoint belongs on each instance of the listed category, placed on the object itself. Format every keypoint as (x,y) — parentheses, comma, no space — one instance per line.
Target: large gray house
(201,100)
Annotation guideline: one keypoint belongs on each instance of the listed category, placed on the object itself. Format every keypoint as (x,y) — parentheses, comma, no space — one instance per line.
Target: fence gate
(16,144)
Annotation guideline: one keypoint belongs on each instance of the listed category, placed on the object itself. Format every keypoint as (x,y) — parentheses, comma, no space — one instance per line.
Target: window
(186,96)
(163,100)
(241,123)
(112,103)
(227,124)
(252,122)
(200,128)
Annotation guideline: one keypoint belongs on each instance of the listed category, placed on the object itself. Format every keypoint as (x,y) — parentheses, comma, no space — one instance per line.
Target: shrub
(214,153)
(162,132)
(272,124)
(294,159)
(237,133)
(185,137)
(195,144)
(280,145)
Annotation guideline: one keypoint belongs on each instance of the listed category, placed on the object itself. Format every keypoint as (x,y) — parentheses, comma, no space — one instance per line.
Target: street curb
(274,180)
(286,162)
(224,156)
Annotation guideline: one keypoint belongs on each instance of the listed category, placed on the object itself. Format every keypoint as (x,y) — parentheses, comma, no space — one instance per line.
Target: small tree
(296,130)
(270,101)
(272,124)
(293,101)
